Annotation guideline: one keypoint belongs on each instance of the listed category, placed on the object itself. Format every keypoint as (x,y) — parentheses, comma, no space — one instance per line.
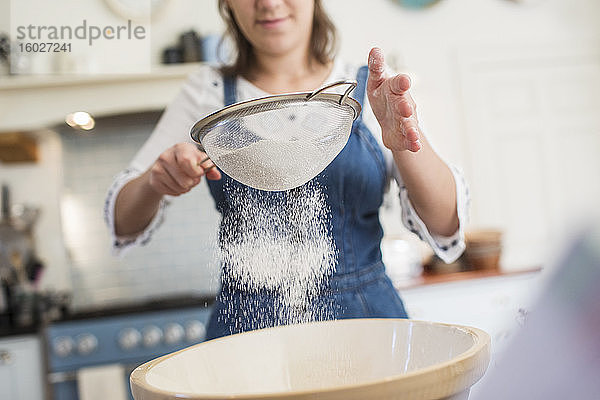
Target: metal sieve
(279,142)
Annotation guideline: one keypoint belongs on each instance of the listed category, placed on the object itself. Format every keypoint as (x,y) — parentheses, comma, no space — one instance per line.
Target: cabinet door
(496,305)
(532,131)
(21,368)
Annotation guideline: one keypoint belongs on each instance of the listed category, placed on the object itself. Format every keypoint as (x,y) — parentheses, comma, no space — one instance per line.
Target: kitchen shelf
(42,101)
(12,82)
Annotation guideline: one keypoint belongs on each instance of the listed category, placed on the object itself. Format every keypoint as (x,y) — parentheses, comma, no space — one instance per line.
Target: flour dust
(277,253)
(273,165)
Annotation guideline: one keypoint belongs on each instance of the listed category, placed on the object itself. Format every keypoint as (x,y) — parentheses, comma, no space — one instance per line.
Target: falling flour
(278,243)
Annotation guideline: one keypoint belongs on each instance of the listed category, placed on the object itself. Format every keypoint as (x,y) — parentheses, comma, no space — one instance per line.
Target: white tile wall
(179,258)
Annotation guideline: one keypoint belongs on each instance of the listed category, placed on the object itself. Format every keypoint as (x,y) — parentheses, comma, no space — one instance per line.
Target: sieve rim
(198,130)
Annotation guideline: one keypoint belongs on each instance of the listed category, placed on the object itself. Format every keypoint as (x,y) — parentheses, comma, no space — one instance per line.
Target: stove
(126,335)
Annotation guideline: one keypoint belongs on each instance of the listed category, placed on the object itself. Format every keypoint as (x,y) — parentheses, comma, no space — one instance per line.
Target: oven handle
(60,377)
(71,376)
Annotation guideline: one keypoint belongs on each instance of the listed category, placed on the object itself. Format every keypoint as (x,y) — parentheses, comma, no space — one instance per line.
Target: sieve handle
(201,148)
(334,84)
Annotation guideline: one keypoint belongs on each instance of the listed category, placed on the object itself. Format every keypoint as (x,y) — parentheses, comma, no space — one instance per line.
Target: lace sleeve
(120,244)
(448,248)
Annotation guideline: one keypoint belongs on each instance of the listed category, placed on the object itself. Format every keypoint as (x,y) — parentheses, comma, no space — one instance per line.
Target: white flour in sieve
(271,164)
(282,246)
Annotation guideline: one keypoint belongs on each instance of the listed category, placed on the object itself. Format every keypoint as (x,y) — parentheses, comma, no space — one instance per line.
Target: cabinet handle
(60,377)
(6,357)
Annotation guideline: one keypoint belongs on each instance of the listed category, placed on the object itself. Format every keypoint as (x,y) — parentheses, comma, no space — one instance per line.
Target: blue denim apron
(353,184)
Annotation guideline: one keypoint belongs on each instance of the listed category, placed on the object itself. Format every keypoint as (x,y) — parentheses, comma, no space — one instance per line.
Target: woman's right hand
(179,168)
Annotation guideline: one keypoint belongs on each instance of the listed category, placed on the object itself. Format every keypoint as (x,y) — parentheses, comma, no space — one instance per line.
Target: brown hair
(323,40)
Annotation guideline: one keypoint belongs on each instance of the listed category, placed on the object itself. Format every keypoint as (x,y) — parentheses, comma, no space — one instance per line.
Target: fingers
(413,146)
(392,104)
(412,135)
(180,168)
(206,163)
(210,169)
(376,62)
(400,84)
(213,174)
(396,87)
(376,68)
(404,109)
(182,181)
(401,98)
(188,158)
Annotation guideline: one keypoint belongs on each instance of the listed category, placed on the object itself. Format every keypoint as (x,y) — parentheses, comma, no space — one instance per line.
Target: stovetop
(127,333)
(138,307)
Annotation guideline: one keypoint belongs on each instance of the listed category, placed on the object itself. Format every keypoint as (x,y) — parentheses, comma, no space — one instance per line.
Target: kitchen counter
(435,278)
(7,331)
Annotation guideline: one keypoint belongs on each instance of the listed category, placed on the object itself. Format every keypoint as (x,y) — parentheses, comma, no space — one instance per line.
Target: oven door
(95,356)
(70,386)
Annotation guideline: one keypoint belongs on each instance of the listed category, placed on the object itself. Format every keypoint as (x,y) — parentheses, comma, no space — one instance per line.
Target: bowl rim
(473,364)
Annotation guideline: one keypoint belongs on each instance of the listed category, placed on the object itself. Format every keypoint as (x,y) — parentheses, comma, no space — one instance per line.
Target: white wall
(426,42)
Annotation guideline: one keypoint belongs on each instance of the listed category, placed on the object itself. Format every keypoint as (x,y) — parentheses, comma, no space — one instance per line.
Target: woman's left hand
(392,105)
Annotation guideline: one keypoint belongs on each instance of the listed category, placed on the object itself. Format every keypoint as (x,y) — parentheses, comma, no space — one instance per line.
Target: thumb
(376,68)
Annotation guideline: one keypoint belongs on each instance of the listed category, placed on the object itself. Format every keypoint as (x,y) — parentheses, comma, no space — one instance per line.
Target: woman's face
(274,27)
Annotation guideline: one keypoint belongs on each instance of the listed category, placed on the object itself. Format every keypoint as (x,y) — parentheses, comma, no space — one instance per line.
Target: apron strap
(359,94)
(361,87)
(229,89)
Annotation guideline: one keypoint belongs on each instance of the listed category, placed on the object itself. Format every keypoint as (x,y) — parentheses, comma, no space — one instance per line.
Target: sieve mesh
(278,144)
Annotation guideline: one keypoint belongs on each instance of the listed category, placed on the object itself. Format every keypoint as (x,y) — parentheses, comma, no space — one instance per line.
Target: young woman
(288,46)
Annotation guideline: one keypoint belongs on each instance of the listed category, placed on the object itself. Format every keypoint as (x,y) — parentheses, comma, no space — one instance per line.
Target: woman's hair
(322,42)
